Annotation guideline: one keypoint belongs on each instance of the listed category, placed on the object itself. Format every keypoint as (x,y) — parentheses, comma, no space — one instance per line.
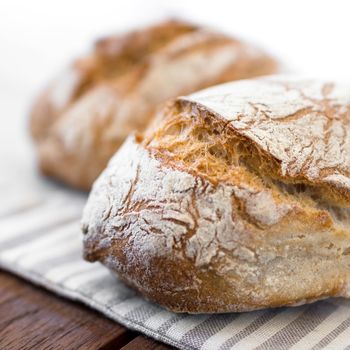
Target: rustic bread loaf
(82,118)
(236,198)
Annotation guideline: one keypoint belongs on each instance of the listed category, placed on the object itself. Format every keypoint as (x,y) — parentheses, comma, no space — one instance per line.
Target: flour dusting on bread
(225,205)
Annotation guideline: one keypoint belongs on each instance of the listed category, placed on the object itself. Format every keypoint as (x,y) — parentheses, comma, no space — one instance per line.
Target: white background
(38,38)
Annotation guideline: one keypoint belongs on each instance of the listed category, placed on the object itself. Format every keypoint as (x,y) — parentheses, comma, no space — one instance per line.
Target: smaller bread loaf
(237,198)
(84,116)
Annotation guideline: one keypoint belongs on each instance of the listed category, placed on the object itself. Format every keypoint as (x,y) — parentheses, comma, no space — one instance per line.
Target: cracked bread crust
(302,128)
(196,238)
(83,117)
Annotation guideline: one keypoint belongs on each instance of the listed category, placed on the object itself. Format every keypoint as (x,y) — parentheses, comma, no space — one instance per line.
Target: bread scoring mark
(303,124)
(200,144)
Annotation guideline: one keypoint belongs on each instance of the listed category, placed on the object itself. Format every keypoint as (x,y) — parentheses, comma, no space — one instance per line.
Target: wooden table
(32,318)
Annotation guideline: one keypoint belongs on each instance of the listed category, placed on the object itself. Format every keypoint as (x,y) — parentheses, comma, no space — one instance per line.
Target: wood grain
(32,318)
(144,343)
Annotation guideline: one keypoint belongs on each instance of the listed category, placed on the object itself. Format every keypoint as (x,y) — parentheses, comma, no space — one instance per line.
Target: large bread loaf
(237,198)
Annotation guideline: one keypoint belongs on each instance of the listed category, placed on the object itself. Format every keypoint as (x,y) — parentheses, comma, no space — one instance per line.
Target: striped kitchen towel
(40,240)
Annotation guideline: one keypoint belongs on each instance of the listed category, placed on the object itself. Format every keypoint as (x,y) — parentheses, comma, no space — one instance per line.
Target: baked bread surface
(84,116)
(236,198)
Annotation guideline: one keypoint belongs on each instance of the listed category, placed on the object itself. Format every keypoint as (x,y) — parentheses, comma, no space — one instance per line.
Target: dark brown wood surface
(32,318)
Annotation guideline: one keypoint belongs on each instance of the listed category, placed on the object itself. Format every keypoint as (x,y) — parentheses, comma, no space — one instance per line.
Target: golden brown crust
(186,217)
(133,73)
(310,120)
